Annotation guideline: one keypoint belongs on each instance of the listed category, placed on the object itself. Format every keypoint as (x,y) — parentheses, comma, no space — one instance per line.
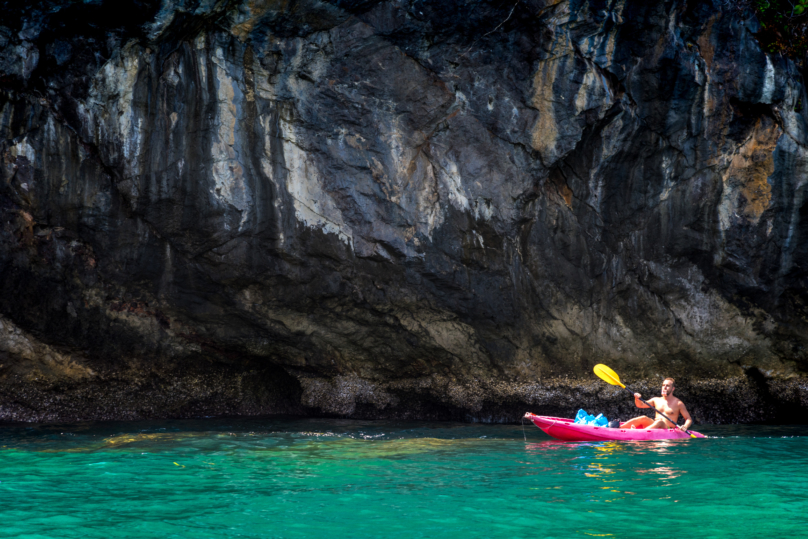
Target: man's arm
(686,415)
(639,404)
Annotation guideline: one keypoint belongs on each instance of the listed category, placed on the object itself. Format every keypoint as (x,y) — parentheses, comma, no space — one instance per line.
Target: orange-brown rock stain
(747,178)
(706,46)
(257,9)
(560,183)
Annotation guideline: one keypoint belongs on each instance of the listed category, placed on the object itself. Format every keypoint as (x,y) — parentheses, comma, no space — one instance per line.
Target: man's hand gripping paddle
(608,375)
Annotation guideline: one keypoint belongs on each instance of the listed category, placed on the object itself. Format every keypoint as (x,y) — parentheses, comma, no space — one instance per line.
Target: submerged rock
(397,209)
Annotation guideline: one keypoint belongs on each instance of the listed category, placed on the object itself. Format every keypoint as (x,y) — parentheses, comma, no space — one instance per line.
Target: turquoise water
(289,478)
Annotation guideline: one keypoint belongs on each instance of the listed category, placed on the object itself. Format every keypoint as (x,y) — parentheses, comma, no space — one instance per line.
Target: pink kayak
(568,430)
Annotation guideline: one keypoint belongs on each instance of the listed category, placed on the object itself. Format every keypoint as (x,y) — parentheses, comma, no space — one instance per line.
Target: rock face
(401,208)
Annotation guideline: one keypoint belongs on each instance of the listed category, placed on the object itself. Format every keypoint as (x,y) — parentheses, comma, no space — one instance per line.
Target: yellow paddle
(608,375)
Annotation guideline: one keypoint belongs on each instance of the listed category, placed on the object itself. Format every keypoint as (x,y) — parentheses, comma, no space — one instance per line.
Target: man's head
(667,387)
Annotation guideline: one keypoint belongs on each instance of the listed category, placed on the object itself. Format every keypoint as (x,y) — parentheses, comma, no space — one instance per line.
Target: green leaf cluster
(780,8)
(784,26)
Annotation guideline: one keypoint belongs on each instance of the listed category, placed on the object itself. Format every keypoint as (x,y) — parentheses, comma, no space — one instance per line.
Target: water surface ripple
(290,478)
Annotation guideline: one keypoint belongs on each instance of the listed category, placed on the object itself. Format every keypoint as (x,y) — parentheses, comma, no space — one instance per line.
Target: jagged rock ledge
(47,386)
(217,392)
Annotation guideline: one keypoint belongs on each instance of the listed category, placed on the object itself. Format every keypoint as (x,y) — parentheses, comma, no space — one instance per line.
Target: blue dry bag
(583,418)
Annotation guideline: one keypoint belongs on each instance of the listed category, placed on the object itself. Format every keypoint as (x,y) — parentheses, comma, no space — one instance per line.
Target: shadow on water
(109,435)
(261,434)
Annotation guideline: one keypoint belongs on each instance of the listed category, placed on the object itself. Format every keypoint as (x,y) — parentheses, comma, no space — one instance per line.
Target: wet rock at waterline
(397,209)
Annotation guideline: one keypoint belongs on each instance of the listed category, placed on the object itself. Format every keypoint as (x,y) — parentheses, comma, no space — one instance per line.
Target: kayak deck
(568,430)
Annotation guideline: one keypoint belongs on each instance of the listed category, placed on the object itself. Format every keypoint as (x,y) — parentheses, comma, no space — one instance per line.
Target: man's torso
(670,409)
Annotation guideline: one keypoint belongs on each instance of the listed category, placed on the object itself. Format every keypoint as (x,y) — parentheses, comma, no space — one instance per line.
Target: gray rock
(399,209)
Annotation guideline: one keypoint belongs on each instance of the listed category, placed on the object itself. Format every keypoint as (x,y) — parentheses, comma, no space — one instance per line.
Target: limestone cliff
(397,208)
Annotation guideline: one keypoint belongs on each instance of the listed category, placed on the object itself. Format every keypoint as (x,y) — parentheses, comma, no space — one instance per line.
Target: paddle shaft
(657,411)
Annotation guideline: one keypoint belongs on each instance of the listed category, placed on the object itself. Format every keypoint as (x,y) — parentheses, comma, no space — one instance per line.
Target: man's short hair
(673,382)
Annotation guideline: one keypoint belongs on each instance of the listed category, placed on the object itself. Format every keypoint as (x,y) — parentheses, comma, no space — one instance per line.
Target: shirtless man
(667,404)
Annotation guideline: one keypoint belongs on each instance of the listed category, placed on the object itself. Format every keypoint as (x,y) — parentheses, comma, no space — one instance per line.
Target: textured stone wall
(402,208)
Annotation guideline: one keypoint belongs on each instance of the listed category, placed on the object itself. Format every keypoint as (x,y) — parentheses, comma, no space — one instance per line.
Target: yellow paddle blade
(608,375)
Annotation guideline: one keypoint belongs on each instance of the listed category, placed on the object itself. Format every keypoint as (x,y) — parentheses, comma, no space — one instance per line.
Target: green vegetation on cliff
(784,26)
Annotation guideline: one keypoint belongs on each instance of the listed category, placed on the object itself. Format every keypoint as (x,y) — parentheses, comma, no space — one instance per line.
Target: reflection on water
(611,469)
(666,472)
